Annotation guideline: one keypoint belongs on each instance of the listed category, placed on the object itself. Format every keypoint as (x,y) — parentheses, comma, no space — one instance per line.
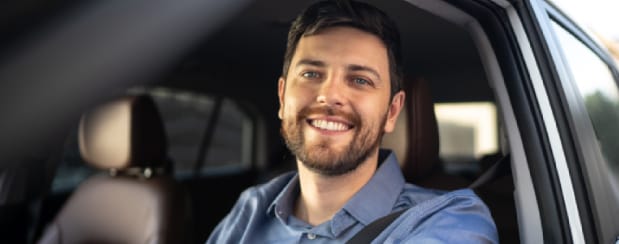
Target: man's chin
(328,162)
(334,143)
(330,170)
(326,154)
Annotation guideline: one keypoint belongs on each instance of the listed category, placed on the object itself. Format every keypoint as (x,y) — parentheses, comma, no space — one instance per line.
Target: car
(527,104)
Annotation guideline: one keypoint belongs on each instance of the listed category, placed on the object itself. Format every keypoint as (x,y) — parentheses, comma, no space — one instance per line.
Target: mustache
(329,111)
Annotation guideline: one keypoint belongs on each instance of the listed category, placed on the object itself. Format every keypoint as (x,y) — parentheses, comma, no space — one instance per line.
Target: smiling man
(339,93)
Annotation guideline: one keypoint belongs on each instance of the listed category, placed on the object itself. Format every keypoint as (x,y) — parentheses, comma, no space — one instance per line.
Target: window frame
(589,156)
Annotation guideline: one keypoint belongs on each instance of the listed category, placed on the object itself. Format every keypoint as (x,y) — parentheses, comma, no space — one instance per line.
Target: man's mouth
(329,125)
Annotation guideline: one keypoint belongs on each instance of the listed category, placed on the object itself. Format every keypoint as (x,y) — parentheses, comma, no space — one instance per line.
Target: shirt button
(311,236)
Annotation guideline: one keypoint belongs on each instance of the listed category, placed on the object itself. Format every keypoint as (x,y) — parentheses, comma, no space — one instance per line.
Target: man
(339,93)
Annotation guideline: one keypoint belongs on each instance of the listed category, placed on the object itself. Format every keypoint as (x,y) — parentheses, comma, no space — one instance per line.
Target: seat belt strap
(499,169)
(372,230)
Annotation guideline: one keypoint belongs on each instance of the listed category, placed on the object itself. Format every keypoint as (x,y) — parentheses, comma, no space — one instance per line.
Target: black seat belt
(500,168)
(372,230)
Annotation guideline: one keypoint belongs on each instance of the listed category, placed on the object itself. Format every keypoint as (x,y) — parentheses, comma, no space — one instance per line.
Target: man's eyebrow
(311,62)
(351,67)
(356,67)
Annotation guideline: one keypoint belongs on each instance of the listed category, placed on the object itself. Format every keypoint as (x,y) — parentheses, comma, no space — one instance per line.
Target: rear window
(207,135)
(196,143)
(467,132)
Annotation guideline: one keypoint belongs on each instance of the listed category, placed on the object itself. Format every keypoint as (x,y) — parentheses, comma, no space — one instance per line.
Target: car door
(580,81)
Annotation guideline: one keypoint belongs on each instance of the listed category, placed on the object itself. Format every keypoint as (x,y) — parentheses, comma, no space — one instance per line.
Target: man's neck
(322,196)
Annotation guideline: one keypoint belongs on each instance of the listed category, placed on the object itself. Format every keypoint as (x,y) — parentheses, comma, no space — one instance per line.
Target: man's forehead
(341,29)
(350,46)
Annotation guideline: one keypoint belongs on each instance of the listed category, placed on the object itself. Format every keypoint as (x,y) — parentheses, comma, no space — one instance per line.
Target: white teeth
(329,125)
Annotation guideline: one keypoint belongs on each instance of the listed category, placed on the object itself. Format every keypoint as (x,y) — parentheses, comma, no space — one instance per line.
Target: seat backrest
(135,201)
(416,140)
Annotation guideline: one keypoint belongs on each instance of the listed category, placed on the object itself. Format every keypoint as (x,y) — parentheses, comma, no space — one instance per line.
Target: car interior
(126,139)
(207,129)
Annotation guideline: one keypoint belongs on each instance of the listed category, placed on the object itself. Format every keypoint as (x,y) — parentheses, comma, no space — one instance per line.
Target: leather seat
(415,141)
(134,200)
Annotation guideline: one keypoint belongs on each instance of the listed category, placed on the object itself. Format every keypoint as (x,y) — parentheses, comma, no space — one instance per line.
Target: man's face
(335,101)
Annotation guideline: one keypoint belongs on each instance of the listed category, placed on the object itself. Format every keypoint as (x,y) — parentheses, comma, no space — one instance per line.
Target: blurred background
(599,16)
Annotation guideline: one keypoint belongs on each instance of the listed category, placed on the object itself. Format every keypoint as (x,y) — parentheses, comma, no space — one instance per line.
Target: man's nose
(332,91)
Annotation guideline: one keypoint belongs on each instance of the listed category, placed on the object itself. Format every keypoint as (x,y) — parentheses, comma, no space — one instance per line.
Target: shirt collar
(378,197)
(282,205)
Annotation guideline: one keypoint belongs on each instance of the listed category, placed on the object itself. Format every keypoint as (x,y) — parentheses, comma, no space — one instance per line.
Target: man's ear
(281,89)
(397,103)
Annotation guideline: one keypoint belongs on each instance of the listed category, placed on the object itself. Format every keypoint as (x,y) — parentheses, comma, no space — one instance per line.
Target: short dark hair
(363,16)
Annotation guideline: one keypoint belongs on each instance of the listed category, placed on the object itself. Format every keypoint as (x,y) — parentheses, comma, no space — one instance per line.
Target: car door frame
(514,64)
(578,166)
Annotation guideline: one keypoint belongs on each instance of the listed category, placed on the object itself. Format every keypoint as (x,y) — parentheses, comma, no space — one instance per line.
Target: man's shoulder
(256,200)
(418,195)
(460,198)
(250,211)
(438,203)
(267,192)
(444,215)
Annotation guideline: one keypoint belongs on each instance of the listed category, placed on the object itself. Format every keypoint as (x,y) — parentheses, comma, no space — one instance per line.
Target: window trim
(530,224)
(560,159)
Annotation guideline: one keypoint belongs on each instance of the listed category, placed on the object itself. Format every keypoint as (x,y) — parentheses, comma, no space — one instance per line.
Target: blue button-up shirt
(264,214)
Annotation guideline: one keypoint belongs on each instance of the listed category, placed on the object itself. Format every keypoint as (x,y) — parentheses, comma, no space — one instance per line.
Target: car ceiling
(254,41)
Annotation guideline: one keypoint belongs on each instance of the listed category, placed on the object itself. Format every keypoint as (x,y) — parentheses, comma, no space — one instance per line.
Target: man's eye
(310,74)
(361,81)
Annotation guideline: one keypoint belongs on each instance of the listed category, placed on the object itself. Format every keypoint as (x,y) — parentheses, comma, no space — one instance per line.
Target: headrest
(415,139)
(423,135)
(125,133)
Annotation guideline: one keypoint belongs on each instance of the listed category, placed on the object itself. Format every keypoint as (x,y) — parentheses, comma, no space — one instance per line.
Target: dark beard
(321,158)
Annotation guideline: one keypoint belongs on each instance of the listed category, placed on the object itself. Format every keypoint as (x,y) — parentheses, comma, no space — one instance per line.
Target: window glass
(467,132)
(185,116)
(232,139)
(599,91)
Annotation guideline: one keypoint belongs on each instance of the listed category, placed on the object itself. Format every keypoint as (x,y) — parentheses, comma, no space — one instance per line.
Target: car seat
(135,200)
(415,141)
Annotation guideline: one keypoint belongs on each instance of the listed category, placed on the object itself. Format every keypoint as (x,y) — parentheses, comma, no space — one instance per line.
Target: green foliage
(604,114)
